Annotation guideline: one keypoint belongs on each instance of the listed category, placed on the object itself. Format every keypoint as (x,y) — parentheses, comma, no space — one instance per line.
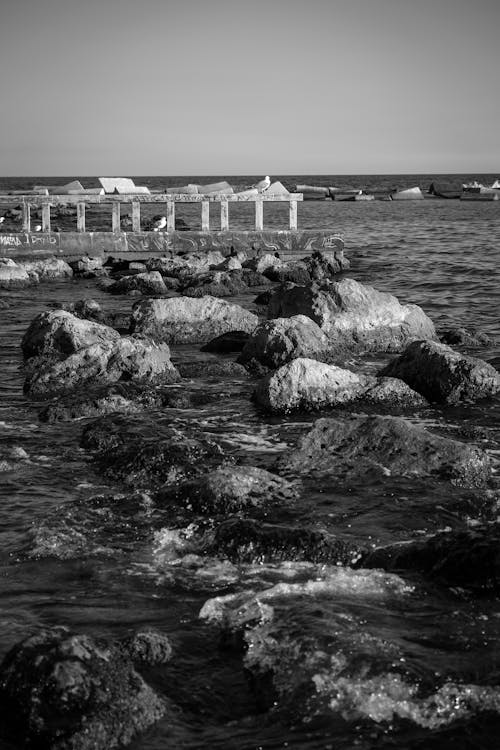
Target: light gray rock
(102,363)
(14,276)
(150,282)
(58,332)
(443,375)
(353,316)
(50,268)
(189,320)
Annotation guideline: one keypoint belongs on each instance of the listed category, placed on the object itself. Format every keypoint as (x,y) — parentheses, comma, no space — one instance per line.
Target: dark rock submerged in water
(231,489)
(72,692)
(244,540)
(469,558)
(189,320)
(443,375)
(358,444)
(354,317)
(464,337)
(164,456)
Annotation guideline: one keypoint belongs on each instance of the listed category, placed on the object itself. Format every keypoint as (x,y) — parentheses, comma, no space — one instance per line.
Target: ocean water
(360,659)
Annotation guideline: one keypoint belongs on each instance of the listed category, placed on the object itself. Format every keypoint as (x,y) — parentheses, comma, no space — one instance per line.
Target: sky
(227,87)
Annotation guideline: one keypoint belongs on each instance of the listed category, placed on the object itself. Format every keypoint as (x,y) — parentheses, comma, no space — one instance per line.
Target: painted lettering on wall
(42,240)
(9,240)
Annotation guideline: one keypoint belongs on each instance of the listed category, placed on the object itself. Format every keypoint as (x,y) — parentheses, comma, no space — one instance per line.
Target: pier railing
(169,200)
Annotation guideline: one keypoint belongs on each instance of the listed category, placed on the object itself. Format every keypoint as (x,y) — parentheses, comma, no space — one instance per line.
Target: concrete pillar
(224,216)
(136,216)
(259,214)
(26,217)
(170,216)
(115,218)
(205,216)
(46,217)
(80,217)
(293,214)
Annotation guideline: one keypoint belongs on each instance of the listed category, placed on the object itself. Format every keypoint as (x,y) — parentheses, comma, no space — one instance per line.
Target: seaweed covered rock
(358,444)
(248,541)
(60,333)
(354,317)
(443,375)
(275,342)
(232,489)
(128,358)
(61,691)
(163,456)
(468,558)
(189,320)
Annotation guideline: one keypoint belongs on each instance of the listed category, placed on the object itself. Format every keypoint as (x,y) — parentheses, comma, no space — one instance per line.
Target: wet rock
(88,309)
(322,266)
(60,333)
(51,268)
(151,459)
(189,320)
(148,647)
(467,558)
(187,265)
(389,445)
(443,375)
(88,267)
(232,489)
(264,263)
(72,692)
(275,342)
(353,316)
(264,297)
(126,359)
(216,284)
(253,278)
(84,405)
(233,341)
(393,392)
(13,276)
(150,283)
(231,263)
(464,337)
(246,541)
(211,368)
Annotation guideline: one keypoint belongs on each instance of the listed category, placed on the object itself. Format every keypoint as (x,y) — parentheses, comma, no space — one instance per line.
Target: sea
(357,658)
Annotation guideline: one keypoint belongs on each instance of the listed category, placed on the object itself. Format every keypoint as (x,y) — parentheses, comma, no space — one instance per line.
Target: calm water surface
(368,661)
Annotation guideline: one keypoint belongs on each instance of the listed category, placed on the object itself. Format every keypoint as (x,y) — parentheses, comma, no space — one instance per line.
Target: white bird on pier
(2,219)
(160,224)
(263,185)
(38,228)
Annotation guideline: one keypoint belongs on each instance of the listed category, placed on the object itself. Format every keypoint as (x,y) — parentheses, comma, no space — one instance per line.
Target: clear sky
(95,87)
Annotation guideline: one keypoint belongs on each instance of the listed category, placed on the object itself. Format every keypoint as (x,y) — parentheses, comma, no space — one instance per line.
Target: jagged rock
(394,393)
(71,692)
(184,266)
(358,444)
(253,278)
(231,489)
(210,368)
(321,266)
(13,276)
(150,283)
(88,309)
(243,540)
(148,647)
(60,333)
(263,263)
(86,266)
(275,342)
(468,558)
(231,263)
(126,359)
(353,316)
(50,268)
(189,320)
(159,458)
(443,375)
(464,337)
(216,284)
(233,341)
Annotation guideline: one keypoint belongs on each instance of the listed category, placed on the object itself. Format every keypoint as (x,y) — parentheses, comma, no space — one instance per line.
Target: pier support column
(26,217)
(115,218)
(224,216)
(46,217)
(293,215)
(136,216)
(170,216)
(80,217)
(259,214)
(205,216)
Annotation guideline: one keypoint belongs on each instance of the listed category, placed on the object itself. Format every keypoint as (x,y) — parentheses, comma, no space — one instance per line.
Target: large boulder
(50,268)
(128,358)
(14,276)
(466,558)
(275,342)
(443,375)
(184,320)
(358,444)
(307,384)
(353,316)
(216,284)
(61,691)
(189,264)
(59,333)
(321,266)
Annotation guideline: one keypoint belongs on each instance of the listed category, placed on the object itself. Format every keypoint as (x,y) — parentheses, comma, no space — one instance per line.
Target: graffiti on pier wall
(10,240)
(27,240)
